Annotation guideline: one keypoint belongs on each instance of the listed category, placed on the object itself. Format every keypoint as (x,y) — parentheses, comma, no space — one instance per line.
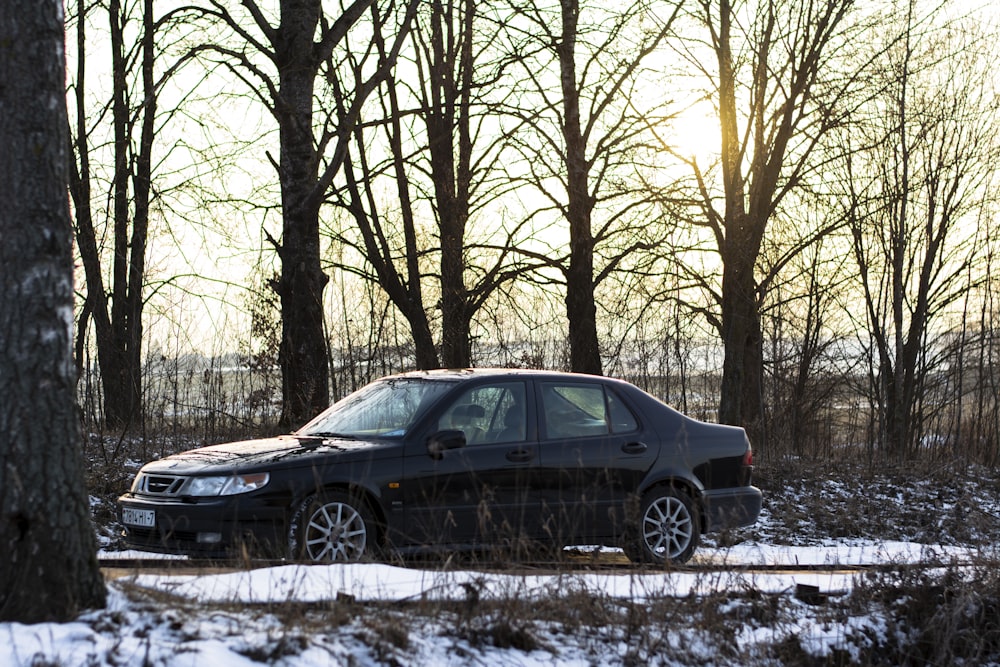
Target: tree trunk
(740,399)
(305,370)
(448,133)
(456,349)
(453,212)
(118,319)
(49,568)
(740,319)
(581,309)
(121,388)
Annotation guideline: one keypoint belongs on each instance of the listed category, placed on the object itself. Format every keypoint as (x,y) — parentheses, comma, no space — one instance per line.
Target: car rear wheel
(667,530)
(333,527)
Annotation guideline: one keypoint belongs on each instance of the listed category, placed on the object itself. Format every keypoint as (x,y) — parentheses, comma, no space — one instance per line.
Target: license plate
(142,518)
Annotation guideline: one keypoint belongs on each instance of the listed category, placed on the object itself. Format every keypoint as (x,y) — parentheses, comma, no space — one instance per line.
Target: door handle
(634,447)
(520,455)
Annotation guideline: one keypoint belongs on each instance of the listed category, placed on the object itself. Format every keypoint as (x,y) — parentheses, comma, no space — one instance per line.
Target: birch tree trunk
(48,570)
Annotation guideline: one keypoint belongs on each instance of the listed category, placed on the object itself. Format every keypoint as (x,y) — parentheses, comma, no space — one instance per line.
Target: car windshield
(383,409)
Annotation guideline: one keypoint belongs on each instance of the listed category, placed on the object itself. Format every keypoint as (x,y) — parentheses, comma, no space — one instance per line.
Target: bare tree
(117,312)
(581,65)
(982,430)
(443,159)
(49,569)
(118,177)
(914,197)
(445,53)
(297,45)
(775,84)
(382,249)
(805,365)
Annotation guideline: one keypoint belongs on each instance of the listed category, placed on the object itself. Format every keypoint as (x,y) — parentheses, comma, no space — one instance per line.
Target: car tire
(667,529)
(332,527)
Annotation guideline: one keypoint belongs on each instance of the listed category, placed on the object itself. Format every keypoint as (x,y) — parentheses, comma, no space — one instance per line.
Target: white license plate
(142,518)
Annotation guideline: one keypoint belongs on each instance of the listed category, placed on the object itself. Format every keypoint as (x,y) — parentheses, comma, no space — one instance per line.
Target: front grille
(159,485)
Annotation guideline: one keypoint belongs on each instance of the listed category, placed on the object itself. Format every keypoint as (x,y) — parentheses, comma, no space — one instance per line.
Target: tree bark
(303,355)
(449,63)
(581,307)
(49,569)
(740,400)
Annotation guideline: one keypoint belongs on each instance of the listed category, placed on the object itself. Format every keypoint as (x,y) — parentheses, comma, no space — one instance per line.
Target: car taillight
(746,470)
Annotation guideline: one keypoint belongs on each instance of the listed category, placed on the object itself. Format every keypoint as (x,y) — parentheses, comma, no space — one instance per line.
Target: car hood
(271,453)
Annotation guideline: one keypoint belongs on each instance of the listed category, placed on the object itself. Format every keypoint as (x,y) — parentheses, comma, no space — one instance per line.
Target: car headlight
(229,485)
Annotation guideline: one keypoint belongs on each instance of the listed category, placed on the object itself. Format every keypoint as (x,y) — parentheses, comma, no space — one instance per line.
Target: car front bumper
(206,527)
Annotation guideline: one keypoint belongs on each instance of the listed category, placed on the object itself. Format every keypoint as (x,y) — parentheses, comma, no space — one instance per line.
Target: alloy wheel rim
(667,528)
(336,532)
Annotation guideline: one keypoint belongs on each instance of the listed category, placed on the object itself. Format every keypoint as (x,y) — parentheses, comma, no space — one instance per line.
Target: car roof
(453,374)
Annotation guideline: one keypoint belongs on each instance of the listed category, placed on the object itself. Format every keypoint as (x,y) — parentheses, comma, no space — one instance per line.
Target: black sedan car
(456,460)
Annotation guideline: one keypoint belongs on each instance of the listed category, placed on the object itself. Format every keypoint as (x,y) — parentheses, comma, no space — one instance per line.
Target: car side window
(622,419)
(490,413)
(574,410)
(582,410)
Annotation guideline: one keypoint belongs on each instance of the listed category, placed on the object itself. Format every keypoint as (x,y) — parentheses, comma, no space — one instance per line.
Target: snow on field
(383,583)
(232,618)
(367,615)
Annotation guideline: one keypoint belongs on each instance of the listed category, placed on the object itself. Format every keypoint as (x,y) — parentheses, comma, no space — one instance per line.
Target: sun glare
(694,134)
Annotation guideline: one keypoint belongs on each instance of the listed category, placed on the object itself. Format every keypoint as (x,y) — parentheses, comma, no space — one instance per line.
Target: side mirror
(442,441)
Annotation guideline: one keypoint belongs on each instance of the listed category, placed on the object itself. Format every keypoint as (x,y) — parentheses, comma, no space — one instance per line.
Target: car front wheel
(667,530)
(332,527)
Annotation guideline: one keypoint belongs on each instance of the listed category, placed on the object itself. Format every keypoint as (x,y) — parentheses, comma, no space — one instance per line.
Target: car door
(594,454)
(476,490)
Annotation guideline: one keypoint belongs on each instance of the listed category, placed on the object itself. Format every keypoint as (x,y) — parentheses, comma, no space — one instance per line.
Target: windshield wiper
(327,435)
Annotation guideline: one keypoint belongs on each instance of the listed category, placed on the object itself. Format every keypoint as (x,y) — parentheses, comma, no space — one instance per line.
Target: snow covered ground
(378,614)
(385,583)
(243,618)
